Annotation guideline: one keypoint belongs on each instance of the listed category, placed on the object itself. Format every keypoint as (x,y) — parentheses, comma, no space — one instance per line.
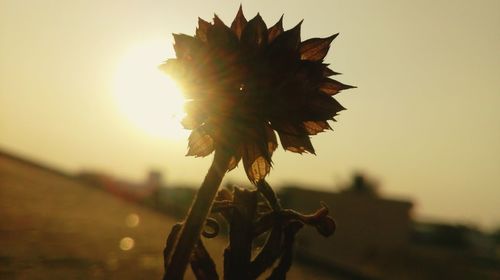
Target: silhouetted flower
(246,81)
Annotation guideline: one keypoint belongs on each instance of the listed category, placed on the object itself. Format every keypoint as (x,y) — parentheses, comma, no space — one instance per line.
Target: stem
(193,225)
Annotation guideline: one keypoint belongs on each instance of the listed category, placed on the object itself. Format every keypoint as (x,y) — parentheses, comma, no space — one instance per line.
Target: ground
(55,227)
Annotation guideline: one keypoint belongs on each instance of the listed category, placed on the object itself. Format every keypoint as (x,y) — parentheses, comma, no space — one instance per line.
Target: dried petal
(255,32)
(272,142)
(174,68)
(296,143)
(201,31)
(221,36)
(329,72)
(275,30)
(184,46)
(190,122)
(332,87)
(315,48)
(200,143)
(315,127)
(239,23)
(235,159)
(288,40)
(256,166)
(322,107)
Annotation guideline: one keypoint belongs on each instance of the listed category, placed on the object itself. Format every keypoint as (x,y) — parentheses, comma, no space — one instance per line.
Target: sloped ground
(53,227)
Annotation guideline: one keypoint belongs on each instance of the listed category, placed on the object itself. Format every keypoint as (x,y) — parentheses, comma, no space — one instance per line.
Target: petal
(256,166)
(315,127)
(296,143)
(235,159)
(276,30)
(239,23)
(173,67)
(185,46)
(218,22)
(315,48)
(200,143)
(191,122)
(321,107)
(272,142)
(286,127)
(332,87)
(201,31)
(255,32)
(221,36)
(329,72)
(288,40)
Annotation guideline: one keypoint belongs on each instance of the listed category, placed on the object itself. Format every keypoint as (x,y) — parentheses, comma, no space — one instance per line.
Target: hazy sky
(425,120)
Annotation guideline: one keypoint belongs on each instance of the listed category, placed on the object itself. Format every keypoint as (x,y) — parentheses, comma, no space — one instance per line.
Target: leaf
(269,253)
(202,264)
(275,30)
(255,32)
(315,49)
(315,127)
(200,143)
(280,271)
(239,23)
(332,87)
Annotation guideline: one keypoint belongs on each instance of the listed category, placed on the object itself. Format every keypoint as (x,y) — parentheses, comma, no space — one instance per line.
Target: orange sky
(424,121)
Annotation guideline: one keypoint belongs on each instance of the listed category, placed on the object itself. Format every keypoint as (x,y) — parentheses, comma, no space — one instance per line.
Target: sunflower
(246,82)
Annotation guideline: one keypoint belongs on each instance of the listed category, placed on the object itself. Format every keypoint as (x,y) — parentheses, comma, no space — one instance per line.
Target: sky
(76,93)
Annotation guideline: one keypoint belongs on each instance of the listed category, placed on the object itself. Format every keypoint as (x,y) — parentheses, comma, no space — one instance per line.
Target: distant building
(368,227)
(124,189)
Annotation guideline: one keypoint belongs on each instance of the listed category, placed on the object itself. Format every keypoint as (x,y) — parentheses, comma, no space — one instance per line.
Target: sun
(147,97)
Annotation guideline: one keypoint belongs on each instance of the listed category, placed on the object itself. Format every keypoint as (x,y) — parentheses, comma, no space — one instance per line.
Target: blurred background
(92,165)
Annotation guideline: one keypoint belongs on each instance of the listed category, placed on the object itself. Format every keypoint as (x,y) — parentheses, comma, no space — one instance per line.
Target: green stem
(193,225)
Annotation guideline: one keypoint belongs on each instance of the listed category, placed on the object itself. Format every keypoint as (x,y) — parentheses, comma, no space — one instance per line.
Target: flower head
(247,81)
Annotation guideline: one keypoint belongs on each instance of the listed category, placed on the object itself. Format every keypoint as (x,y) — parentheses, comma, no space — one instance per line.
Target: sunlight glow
(145,95)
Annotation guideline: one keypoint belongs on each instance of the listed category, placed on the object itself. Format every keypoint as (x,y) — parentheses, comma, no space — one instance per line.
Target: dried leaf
(269,254)
(170,243)
(239,23)
(279,272)
(202,264)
